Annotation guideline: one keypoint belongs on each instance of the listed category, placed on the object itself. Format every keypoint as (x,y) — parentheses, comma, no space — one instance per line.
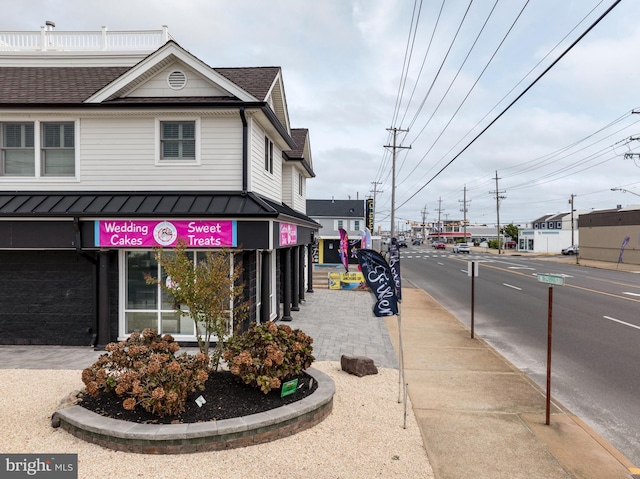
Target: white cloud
(342,61)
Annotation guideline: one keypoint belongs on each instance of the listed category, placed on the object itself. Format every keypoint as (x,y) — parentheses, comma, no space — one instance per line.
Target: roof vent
(177,80)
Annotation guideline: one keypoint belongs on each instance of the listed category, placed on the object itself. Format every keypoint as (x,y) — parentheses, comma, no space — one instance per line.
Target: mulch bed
(226,397)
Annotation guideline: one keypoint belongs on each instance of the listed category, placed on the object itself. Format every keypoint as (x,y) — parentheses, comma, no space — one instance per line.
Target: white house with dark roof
(112,143)
(549,234)
(332,215)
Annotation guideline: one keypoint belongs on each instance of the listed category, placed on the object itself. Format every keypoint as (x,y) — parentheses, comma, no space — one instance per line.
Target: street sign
(554,279)
(472,267)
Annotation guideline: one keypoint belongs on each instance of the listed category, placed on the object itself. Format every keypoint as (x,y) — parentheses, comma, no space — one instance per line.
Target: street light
(624,191)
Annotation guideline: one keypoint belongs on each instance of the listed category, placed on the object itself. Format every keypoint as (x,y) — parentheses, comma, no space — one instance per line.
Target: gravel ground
(362,438)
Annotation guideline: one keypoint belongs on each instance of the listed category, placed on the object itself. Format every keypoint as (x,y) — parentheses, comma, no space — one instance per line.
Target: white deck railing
(104,40)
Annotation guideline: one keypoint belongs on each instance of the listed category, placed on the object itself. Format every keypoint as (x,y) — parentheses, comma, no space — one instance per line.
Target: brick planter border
(204,436)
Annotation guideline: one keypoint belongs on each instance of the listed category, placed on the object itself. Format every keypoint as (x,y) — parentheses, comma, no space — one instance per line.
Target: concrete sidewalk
(479,416)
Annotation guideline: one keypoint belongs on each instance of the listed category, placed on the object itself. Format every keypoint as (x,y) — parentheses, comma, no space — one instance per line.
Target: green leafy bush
(265,355)
(144,370)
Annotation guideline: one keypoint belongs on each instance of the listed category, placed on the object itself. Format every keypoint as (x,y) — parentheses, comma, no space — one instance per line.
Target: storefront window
(148,305)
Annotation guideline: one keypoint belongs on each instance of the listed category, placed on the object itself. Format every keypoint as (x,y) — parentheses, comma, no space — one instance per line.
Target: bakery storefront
(74,265)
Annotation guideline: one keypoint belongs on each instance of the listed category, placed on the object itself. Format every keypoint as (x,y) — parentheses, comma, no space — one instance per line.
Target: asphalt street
(595,328)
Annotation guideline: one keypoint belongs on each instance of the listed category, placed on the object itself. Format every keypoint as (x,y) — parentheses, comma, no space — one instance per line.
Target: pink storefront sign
(288,234)
(149,233)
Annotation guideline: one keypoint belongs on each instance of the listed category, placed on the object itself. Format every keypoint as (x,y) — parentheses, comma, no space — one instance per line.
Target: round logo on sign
(165,233)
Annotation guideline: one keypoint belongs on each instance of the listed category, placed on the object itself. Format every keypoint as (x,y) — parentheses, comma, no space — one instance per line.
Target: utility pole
(499,197)
(572,210)
(393,175)
(424,219)
(375,191)
(440,210)
(464,211)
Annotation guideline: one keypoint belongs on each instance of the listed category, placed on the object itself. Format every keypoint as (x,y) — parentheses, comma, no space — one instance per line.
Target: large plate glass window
(149,305)
(17,152)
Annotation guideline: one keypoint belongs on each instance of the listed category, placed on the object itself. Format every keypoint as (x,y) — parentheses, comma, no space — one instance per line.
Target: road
(596,328)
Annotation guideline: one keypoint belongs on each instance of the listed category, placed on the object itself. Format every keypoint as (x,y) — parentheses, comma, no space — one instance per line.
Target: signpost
(472,271)
(557,280)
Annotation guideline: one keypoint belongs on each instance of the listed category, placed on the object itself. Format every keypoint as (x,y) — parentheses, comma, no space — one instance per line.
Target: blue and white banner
(379,278)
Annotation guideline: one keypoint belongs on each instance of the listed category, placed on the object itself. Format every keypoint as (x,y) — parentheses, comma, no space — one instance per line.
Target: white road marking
(521,267)
(441,264)
(631,294)
(621,322)
(511,286)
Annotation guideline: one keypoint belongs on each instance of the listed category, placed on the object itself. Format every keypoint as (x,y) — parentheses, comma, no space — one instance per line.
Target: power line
(554,63)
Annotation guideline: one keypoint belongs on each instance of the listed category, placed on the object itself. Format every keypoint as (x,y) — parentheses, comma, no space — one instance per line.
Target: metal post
(473,294)
(549,321)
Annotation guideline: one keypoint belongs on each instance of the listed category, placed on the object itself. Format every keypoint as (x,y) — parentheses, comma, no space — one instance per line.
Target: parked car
(461,248)
(573,249)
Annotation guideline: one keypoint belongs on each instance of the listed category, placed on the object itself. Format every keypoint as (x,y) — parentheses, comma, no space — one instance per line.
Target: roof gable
(171,54)
(302,152)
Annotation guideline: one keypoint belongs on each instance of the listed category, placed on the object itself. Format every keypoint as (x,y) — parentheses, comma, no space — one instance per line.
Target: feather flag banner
(344,248)
(624,244)
(378,276)
(366,241)
(394,264)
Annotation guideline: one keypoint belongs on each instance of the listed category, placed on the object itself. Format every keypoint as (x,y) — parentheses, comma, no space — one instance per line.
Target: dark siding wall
(46,298)
(249,278)
(113,294)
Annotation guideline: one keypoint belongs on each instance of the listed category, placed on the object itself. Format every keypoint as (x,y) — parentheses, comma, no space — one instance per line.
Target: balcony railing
(48,40)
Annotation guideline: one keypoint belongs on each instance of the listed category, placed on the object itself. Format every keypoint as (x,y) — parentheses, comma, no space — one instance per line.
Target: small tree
(209,288)
(511,231)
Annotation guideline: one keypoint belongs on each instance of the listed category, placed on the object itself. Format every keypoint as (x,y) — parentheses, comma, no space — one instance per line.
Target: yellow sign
(346,280)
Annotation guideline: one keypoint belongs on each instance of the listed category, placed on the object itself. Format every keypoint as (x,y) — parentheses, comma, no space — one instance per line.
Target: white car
(461,248)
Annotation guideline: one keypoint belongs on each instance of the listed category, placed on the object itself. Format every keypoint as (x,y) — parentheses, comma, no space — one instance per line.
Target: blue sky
(343,61)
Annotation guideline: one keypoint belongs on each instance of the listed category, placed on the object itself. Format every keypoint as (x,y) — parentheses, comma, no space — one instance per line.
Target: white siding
(157,85)
(119,154)
(263,182)
(300,201)
(288,172)
(290,196)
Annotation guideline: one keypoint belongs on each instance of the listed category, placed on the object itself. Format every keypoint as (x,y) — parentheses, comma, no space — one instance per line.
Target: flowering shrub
(145,371)
(265,355)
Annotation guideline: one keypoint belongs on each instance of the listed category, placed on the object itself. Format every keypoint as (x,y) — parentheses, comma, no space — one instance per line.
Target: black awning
(139,204)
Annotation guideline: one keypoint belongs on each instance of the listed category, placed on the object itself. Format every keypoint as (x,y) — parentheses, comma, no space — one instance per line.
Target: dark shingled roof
(255,80)
(299,135)
(336,208)
(59,85)
(73,85)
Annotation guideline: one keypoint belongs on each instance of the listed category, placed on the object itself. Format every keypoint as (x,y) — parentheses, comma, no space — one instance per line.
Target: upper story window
(18,153)
(268,155)
(300,184)
(559,225)
(178,140)
(356,225)
(58,155)
(340,224)
(38,149)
